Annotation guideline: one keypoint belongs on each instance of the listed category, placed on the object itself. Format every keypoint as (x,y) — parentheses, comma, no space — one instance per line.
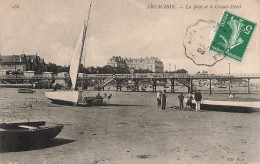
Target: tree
(63,69)
(122,70)
(51,67)
(143,71)
(83,69)
(181,71)
(107,69)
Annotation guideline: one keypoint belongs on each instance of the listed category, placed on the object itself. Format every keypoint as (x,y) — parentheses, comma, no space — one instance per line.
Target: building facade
(153,64)
(22,63)
(117,61)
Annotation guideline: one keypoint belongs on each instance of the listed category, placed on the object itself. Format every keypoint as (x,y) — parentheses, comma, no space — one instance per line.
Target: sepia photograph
(129,81)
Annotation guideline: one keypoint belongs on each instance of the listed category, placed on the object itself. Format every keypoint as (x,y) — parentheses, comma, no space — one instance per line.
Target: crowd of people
(161,100)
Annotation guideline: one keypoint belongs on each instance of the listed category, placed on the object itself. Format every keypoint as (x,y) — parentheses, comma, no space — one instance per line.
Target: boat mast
(83,38)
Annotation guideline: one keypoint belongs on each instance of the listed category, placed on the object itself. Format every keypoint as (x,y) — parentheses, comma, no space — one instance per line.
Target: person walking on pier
(163,96)
(181,97)
(159,99)
(198,98)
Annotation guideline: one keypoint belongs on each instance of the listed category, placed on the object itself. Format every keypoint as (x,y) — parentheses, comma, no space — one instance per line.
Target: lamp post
(175,67)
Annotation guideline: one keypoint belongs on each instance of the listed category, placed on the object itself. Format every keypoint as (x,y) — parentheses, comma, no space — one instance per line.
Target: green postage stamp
(232,36)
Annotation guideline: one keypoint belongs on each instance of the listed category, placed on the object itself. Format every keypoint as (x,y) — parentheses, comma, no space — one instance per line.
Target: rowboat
(25,90)
(23,135)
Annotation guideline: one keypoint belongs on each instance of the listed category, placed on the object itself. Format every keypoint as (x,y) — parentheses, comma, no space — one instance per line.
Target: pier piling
(118,85)
(136,85)
(172,85)
(154,85)
(209,86)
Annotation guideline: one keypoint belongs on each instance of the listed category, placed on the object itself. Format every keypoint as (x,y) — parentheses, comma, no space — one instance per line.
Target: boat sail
(72,96)
(76,59)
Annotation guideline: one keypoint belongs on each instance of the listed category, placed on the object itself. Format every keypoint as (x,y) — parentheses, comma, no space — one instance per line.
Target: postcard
(129,81)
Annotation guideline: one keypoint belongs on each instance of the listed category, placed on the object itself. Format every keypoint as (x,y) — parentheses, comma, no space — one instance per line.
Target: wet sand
(133,130)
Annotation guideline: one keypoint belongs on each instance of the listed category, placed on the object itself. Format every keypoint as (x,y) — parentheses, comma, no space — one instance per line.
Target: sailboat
(73,96)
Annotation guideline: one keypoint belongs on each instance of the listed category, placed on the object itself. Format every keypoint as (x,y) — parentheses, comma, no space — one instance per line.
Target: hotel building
(153,64)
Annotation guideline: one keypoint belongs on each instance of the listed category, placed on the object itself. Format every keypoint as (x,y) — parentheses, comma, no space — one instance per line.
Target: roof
(19,58)
(9,58)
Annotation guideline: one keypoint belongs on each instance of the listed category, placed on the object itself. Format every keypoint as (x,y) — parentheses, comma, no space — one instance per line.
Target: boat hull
(13,138)
(27,90)
(64,97)
(228,106)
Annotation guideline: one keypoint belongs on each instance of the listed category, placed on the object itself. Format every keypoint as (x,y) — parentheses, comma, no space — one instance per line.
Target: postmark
(197,41)
(232,36)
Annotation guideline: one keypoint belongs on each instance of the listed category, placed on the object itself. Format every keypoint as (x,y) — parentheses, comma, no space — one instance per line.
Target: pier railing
(133,76)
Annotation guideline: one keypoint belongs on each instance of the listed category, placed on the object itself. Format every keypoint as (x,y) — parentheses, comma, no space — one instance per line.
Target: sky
(126,28)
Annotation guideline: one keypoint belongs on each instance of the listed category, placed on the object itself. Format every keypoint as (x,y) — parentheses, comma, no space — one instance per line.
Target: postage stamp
(232,36)
(197,41)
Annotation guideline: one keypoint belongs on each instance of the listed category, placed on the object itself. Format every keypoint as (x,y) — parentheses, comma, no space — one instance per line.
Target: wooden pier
(104,79)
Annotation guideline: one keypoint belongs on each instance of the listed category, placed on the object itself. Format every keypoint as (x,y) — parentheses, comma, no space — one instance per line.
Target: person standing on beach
(189,101)
(163,96)
(198,98)
(181,97)
(159,99)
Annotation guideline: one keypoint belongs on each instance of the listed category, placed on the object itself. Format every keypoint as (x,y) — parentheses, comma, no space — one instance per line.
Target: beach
(131,129)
